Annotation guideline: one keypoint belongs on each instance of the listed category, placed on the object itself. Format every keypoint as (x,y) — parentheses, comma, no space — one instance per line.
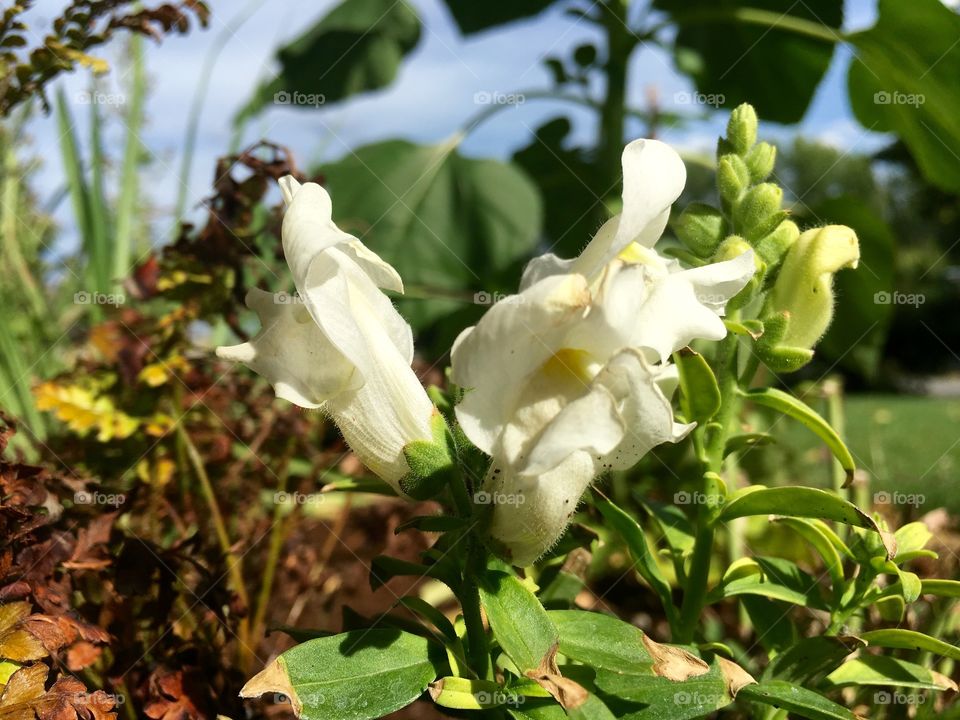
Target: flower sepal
(780,358)
(432,462)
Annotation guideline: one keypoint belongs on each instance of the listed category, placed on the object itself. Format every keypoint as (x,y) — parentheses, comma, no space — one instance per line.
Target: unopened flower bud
(742,128)
(774,245)
(701,228)
(758,212)
(804,288)
(733,178)
(760,160)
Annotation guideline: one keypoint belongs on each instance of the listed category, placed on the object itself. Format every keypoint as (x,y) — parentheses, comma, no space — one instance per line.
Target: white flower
(572,376)
(341,346)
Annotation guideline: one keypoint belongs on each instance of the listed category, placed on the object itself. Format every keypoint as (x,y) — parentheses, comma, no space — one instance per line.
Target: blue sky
(432,97)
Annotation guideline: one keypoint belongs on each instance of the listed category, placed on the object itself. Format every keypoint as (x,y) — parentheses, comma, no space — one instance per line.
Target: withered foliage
(28,66)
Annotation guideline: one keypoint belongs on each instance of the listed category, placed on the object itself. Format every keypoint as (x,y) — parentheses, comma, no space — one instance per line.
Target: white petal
(590,424)
(645,410)
(495,359)
(288,187)
(544,266)
(291,353)
(531,512)
(716,283)
(653,178)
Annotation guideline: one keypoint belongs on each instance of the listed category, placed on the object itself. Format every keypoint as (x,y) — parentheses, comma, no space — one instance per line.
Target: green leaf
(806,416)
(824,547)
(779,580)
(910,640)
(463,694)
(700,394)
(439,218)
(431,462)
(519,622)
(747,441)
(355,48)
(748,50)
(796,502)
(472,16)
(772,622)
(636,541)
(880,670)
(903,79)
(674,525)
(795,700)
(682,691)
(602,641)
(592,709)
(808,661)
(940,588)
(358,675)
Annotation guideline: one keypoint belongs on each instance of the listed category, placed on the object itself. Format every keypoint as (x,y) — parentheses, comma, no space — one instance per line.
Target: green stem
(714,438)
(620,44)
(129,180)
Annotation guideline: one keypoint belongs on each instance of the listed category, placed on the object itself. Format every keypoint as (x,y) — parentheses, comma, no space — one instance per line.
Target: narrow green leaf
(910,640)
(602,641)
(129,180)
(795,700)
(747,441)
(940,588)
(880,670)
(824,547)
(796,502)
(803,413)
(636,541)
(810,660)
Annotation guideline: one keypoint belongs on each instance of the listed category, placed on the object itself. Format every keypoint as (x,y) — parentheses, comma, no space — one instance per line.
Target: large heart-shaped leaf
(741,55)
(355,48)
(449,224)
(904,80)
(473,16)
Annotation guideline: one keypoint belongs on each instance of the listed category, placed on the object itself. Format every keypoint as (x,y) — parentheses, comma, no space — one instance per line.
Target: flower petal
(292,354)
(531,512)
(716,283)
(494,359)
(642,405)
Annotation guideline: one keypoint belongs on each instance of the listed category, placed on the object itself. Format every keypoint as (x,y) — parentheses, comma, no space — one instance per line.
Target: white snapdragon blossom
(571,377)
(341,346)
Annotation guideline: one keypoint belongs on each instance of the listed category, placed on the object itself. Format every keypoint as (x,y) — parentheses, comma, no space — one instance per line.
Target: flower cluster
(567,379)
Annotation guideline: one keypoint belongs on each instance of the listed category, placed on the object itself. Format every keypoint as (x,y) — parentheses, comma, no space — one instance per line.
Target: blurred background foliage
(105,349)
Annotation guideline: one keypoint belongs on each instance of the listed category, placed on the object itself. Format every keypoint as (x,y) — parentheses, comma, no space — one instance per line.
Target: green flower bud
(780,358)
(733,247)
(772,246)
(758,212)
(742,128)
(733,177)
(701,228)
(760,160)
(804,288)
